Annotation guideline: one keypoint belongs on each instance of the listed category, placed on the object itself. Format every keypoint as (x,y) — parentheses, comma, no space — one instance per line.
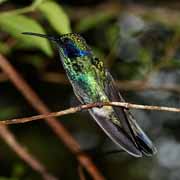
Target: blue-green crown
(74,45)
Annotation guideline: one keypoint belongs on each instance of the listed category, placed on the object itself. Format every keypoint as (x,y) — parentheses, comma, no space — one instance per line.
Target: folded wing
(129,125)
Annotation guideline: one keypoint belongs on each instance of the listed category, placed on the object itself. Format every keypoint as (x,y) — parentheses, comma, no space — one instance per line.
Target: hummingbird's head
(71,45)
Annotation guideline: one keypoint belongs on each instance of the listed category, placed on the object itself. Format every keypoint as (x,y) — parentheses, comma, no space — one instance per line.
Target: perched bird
(91,83)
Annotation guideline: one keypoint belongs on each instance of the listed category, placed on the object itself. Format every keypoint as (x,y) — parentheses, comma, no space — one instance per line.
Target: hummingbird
(92,82)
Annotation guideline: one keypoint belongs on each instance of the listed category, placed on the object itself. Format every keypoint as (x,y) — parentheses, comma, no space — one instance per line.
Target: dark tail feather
(144,143)
(116,134)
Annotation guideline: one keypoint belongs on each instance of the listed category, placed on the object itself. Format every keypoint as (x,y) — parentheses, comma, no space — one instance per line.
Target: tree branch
(124,85)
(81,173)
(89,106)
(24,154)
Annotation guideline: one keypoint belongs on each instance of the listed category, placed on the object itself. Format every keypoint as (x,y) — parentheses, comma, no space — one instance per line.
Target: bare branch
(88,106)
(24,154)
(81,173)
(3,77)
(56,126)
(9,138)
(142,85)
(126,85)
(53,77)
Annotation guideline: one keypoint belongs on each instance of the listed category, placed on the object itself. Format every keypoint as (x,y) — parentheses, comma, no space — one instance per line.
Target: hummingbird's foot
(99,104)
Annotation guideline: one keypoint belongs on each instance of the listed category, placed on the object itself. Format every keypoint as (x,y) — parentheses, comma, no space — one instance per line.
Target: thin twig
(56,126)
(24,154)
(53,77)
(89,106)
(3,77)
(141,85)
(124,85)
(81,173)
(9,138)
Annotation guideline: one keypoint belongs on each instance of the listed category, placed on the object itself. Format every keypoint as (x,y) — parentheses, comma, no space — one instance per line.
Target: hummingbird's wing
(118,123)
(126,119)
(103,118)
(115,132)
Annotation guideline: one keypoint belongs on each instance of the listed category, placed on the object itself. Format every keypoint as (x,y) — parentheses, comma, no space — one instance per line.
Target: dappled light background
(138,41)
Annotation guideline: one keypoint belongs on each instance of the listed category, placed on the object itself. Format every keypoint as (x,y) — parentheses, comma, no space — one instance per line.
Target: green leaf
(2,1)
(56,16)
(93,20)
(18,171)
(16,24)
(7,112)
(4,49)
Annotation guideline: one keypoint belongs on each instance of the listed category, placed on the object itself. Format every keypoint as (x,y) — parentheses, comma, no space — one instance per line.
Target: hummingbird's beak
(50,37)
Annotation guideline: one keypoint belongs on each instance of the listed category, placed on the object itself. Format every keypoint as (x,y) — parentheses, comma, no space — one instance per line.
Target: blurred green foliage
(17,173)
(56,16)
(16,24)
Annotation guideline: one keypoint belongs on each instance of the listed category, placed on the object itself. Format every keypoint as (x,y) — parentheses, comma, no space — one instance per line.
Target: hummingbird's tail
(143,142)
(131,139)
(115,133)
(127,134)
